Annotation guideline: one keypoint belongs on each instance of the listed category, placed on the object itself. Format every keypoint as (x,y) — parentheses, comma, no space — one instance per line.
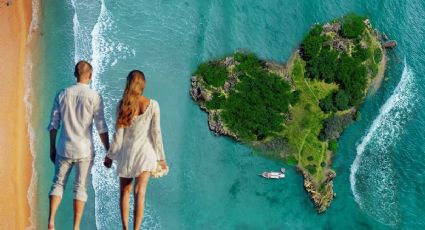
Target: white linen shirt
(76,107)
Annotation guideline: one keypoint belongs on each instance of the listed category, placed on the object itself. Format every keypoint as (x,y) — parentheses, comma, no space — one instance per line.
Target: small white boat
(274,175)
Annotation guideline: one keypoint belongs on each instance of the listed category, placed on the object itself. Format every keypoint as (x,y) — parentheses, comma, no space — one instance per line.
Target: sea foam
(86,47)
(372,177)
(28,115)
(95,44)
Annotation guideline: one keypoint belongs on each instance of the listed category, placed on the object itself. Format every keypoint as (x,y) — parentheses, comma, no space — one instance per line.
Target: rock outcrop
(318,175)
(390,44)
(198,93)
(322,195)
(216,125)
(201,95)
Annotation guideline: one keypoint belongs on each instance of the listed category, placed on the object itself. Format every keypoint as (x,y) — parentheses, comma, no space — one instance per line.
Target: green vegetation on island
(254,107)
(295,112)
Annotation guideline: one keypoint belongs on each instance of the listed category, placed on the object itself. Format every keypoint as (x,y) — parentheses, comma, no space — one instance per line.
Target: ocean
(213,182)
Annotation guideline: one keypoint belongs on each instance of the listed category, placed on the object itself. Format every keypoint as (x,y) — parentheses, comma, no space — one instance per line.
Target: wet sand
(16,158)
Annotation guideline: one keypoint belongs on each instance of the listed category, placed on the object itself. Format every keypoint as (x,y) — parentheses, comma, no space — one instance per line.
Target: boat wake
(372,177)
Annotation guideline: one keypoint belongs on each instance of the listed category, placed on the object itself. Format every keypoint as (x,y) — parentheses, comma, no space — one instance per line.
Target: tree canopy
(258,104)
(346,68)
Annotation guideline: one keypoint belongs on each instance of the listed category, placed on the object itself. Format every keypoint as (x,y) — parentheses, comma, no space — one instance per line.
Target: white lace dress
(138,147)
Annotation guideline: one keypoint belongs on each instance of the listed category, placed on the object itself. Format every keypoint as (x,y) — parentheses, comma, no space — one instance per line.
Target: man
(75,107)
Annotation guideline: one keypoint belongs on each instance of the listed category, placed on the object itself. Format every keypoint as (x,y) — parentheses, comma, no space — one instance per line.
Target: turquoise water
(212,184)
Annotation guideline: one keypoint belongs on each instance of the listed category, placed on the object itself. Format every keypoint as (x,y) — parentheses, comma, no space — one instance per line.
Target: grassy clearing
(296,112)
(303,129)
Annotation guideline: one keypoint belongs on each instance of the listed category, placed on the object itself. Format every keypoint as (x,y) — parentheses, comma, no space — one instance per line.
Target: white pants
(63,167)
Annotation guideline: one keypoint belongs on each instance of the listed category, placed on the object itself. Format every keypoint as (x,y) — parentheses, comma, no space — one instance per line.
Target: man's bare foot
(51,226)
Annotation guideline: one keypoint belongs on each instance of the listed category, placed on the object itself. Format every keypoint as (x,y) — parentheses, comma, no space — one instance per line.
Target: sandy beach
(16,164)
(377,81)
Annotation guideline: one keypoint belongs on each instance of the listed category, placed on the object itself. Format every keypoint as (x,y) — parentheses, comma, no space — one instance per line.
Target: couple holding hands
(136,145)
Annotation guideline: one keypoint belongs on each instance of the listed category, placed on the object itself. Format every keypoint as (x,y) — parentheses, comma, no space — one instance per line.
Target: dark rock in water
(390,44)
(384,36)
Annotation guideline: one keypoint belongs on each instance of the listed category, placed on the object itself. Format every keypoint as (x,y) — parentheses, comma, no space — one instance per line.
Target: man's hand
(104,138)
(53,133)
(107,162)
(53,154)
(163,164)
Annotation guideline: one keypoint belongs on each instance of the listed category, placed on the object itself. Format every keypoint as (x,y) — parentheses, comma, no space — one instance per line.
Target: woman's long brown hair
(129,105)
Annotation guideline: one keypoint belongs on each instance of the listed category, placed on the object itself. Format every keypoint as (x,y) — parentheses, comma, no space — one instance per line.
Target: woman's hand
(107,162)
(163,164)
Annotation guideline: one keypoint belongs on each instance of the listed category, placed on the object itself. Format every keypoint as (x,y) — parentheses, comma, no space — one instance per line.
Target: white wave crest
(105,52)
(28,115)
(104,181)
(373,180)
(82,45)
(35,11)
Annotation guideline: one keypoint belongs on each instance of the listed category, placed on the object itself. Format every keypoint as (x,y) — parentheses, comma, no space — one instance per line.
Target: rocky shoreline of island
(316,112)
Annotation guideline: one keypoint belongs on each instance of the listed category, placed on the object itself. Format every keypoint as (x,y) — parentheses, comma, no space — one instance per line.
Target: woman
(137,145)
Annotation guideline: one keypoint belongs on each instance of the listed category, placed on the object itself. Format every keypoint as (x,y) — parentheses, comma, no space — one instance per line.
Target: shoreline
(16,171)
(211,91)
(377,81)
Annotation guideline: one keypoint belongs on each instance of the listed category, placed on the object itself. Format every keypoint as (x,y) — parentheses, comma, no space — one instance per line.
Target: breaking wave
(372,177)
